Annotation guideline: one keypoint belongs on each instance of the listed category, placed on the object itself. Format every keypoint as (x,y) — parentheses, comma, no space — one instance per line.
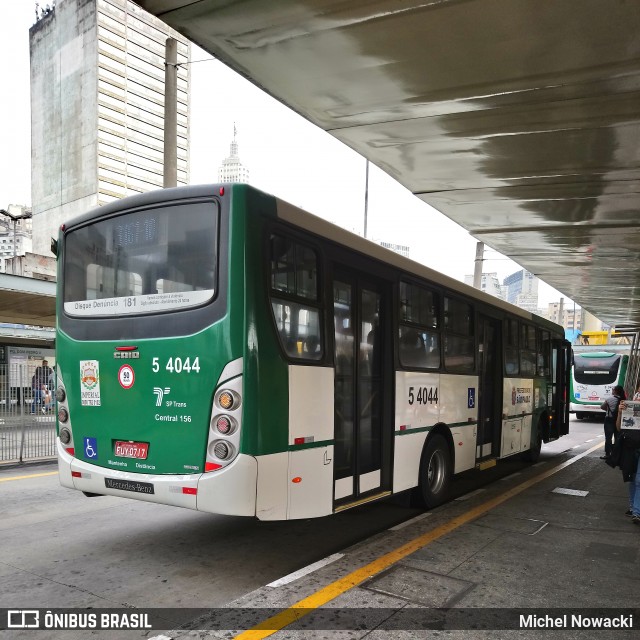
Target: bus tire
(533,454)
(580,415)
(435,472)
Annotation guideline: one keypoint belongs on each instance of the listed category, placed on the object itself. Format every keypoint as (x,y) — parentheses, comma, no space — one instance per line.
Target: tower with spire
(231,169)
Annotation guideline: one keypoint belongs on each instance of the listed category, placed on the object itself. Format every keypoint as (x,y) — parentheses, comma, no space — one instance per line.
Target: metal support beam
(170,178)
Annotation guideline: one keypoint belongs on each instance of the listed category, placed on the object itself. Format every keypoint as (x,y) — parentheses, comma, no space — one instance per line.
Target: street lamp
(22,216)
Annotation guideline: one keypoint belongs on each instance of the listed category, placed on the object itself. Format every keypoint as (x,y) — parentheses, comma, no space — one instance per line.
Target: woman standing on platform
(610,406)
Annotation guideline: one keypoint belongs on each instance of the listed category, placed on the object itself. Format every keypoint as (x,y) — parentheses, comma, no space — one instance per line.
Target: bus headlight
(60,394)
(65,436)
(63,414)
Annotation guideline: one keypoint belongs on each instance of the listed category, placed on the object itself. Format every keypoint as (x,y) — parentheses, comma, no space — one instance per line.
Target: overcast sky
(286,156)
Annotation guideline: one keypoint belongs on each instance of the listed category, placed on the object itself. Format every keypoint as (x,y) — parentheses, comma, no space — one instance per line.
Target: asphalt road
(61,549)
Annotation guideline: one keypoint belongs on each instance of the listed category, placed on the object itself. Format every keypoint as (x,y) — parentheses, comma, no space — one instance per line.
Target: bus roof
(310,222)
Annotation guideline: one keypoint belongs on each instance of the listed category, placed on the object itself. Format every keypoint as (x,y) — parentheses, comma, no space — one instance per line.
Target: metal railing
(27,418)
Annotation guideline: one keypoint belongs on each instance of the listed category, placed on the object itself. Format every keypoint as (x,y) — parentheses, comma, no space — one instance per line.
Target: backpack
(613,413)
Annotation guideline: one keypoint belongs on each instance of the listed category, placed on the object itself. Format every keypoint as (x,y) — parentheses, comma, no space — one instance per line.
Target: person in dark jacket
(628,447)
(39,383)
(610,407)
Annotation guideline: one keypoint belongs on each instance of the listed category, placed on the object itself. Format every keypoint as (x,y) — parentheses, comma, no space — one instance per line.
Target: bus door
(560,372)
(361,445)
(490,391)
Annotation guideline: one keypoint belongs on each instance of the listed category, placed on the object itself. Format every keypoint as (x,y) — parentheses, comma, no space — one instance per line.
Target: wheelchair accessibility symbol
(90,448)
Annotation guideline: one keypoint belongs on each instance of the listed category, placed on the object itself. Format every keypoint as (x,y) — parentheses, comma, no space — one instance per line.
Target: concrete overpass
(517,119)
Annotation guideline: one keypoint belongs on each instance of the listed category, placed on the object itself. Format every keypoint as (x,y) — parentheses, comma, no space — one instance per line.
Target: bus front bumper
(227,491)
(585,408)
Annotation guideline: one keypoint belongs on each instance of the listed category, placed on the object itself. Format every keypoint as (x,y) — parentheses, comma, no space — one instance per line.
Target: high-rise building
(232,169)
(489,284)
(570,317)
(522,290)
(15,234)
(97,108)
(402,249)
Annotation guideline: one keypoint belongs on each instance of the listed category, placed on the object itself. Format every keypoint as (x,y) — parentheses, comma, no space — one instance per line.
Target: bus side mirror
(54,247)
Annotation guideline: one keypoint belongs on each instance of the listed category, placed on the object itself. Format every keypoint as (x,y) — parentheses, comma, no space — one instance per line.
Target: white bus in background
(595,371)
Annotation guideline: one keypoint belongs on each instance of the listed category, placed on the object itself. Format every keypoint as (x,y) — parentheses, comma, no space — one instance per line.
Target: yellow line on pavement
(33,475)
(333,590)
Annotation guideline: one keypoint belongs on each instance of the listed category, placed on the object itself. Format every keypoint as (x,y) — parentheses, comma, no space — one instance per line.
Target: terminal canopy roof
(518,119)
(27,301)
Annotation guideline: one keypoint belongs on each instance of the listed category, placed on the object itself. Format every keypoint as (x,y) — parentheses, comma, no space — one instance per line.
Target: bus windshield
(146,261)
(596,371)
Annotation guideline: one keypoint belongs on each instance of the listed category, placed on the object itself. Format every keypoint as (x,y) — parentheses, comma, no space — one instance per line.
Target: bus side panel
(464,445)
(517,410)
(272,485)
(311,418)
(311,483)
(311,390)
(422,401)
(266,395)
(230,491)
(406,464)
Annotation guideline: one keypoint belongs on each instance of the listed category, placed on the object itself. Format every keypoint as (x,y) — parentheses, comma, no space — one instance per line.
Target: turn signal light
(63,414)
(226,400)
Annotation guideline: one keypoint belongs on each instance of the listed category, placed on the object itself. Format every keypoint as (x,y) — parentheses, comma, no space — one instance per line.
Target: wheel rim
(436,472)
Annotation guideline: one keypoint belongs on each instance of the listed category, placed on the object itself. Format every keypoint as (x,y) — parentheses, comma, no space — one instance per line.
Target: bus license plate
(137,450)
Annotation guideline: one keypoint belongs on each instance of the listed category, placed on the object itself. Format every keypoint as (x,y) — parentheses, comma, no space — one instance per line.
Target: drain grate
(420,587)
(526,526)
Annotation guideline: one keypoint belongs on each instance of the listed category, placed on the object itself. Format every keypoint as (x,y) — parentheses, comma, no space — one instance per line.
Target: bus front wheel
(435,472)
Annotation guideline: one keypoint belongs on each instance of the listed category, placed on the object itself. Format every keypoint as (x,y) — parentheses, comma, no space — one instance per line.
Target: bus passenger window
(298,329)
(511,361)
(544,348)
(294,275)
(528,350)
(419,339)
(459,342)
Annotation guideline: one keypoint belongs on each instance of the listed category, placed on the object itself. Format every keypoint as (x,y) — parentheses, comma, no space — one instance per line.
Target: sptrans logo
(160,394)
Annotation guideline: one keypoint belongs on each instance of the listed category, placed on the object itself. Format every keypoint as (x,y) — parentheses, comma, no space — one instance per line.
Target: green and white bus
(595,371)
(222,350)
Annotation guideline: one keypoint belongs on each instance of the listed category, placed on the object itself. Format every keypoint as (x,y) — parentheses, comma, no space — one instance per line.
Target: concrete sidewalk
(556,544)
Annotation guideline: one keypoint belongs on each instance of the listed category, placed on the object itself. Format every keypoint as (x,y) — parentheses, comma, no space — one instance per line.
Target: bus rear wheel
(435,472)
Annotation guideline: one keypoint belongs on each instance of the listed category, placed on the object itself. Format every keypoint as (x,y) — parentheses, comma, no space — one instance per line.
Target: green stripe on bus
(405,432)
(310,445)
